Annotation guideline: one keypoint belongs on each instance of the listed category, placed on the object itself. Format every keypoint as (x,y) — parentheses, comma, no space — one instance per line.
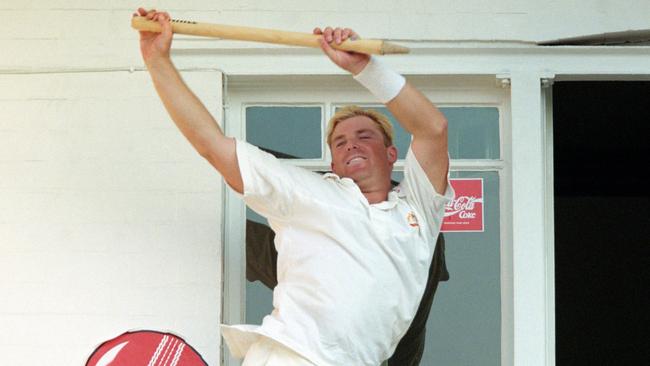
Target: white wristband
(380,80)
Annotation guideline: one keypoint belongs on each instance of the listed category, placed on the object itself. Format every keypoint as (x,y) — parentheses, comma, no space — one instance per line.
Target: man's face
(359,151)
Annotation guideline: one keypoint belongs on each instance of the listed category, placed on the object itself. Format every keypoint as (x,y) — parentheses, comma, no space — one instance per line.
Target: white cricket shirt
(350,274)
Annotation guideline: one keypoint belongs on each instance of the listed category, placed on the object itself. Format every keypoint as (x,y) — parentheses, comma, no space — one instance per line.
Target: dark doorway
(602,222)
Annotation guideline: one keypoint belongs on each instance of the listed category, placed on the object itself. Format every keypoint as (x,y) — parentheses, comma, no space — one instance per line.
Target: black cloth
(261,265)
(261,256)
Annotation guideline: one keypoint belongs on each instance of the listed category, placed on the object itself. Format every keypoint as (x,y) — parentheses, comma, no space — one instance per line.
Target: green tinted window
(287,132)
(466,313)
(473,132)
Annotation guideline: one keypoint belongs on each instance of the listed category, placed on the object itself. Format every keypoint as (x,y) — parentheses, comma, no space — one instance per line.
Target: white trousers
(267,352)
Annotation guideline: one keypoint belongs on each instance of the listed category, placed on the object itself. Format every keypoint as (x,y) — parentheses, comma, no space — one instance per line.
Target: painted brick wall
(109,221)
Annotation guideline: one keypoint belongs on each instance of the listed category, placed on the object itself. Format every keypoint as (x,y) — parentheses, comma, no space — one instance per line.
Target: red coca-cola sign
(465,211)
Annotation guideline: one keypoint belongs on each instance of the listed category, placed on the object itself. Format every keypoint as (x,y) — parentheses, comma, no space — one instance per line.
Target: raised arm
(409,106)
(428,126)
(186,110)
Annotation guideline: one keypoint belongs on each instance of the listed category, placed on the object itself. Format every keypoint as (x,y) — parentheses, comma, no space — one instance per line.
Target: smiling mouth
(355,159)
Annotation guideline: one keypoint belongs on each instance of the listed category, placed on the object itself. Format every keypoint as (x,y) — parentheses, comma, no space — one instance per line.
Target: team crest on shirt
(412,219)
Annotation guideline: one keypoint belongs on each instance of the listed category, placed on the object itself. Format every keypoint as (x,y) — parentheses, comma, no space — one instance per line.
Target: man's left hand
(352,62)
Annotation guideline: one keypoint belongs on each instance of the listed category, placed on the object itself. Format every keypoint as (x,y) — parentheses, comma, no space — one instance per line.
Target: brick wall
(109,221)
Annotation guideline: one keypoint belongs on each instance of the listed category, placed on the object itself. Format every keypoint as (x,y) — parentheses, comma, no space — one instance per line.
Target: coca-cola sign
(465,211)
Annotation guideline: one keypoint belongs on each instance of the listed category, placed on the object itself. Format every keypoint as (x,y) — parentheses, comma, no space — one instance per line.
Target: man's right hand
(155,46)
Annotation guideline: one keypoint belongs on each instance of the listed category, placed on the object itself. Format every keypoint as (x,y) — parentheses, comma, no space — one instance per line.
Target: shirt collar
(393,195)
(346,181)
(393,198)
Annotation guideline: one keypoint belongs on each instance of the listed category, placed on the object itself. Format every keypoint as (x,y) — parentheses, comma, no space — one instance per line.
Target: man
(342,239)
(261,265)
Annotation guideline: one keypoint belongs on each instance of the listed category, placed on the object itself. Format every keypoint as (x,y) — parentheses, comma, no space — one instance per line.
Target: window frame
(330,92)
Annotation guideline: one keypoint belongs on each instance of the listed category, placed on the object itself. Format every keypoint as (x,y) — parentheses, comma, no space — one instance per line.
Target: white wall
(108,220)
(72,33)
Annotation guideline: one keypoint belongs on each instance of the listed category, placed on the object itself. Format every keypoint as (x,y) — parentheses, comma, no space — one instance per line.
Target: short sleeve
(271,186)
(421,193)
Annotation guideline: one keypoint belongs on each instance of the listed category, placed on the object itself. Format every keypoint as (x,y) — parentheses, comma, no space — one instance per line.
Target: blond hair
(353,111)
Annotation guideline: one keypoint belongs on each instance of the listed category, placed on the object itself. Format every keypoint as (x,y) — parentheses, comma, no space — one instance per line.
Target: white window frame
(330,92)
